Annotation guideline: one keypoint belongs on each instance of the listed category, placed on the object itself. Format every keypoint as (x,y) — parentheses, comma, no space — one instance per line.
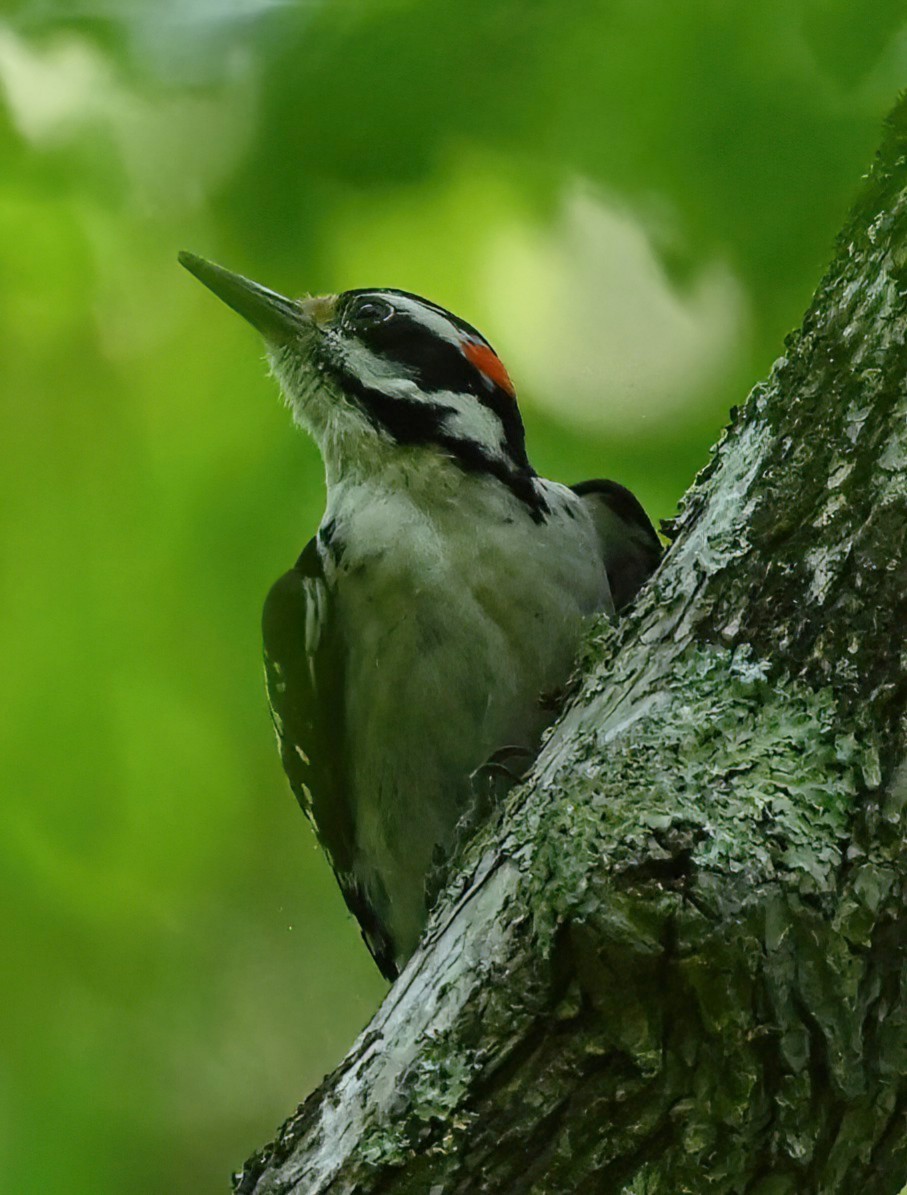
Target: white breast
(459,614)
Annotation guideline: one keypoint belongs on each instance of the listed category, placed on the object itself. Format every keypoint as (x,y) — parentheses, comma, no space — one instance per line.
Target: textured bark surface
(678,962)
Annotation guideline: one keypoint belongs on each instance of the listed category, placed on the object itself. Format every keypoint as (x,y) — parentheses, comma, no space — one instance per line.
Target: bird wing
(630,546)
(304,676)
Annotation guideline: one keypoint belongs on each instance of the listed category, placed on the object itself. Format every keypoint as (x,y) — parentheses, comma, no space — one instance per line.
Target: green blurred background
(634,200)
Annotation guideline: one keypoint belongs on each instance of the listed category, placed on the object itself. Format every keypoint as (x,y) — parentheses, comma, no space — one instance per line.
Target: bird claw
(491,782)
(514,760)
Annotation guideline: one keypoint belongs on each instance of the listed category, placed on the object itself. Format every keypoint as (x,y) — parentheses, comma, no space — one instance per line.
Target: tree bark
(676,963)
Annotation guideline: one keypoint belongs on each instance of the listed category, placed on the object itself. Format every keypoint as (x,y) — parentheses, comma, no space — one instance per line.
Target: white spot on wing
(314,613)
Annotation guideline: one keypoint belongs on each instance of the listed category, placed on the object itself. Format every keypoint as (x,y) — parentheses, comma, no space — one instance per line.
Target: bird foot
(491,782)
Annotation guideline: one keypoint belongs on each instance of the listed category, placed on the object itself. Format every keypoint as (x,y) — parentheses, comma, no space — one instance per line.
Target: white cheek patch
(468,418)
(472,421)
(375,372)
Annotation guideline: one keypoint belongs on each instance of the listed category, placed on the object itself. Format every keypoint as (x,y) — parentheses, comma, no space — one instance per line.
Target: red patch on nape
(487,361)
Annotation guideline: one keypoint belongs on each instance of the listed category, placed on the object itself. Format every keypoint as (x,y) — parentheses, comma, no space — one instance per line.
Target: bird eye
(370,312)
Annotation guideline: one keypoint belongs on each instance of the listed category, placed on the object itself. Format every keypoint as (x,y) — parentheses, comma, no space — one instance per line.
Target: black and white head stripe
(425,376)
(443,351)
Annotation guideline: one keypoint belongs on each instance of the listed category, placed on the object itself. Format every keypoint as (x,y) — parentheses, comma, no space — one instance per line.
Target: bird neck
(430,475)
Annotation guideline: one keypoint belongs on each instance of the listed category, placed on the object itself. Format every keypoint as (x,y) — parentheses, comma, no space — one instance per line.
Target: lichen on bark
(676,961)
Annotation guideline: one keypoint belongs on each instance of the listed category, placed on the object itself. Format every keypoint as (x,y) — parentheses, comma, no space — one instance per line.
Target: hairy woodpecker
(441,603)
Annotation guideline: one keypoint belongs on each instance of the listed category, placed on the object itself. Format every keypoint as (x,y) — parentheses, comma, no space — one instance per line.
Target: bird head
(377,373)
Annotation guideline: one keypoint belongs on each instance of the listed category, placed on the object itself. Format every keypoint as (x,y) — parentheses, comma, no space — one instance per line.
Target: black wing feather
(630,545)
(304,674)
(304,678)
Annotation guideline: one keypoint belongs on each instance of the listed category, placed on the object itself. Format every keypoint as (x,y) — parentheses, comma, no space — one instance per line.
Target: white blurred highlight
(592,327)
(173,148)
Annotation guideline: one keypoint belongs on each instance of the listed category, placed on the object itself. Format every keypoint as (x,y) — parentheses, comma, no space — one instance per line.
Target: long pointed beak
(278,319)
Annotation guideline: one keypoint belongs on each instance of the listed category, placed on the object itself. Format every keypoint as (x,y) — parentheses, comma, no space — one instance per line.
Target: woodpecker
(423,630)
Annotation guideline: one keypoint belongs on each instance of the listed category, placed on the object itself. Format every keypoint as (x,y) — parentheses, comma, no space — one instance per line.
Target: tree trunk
(676,963)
